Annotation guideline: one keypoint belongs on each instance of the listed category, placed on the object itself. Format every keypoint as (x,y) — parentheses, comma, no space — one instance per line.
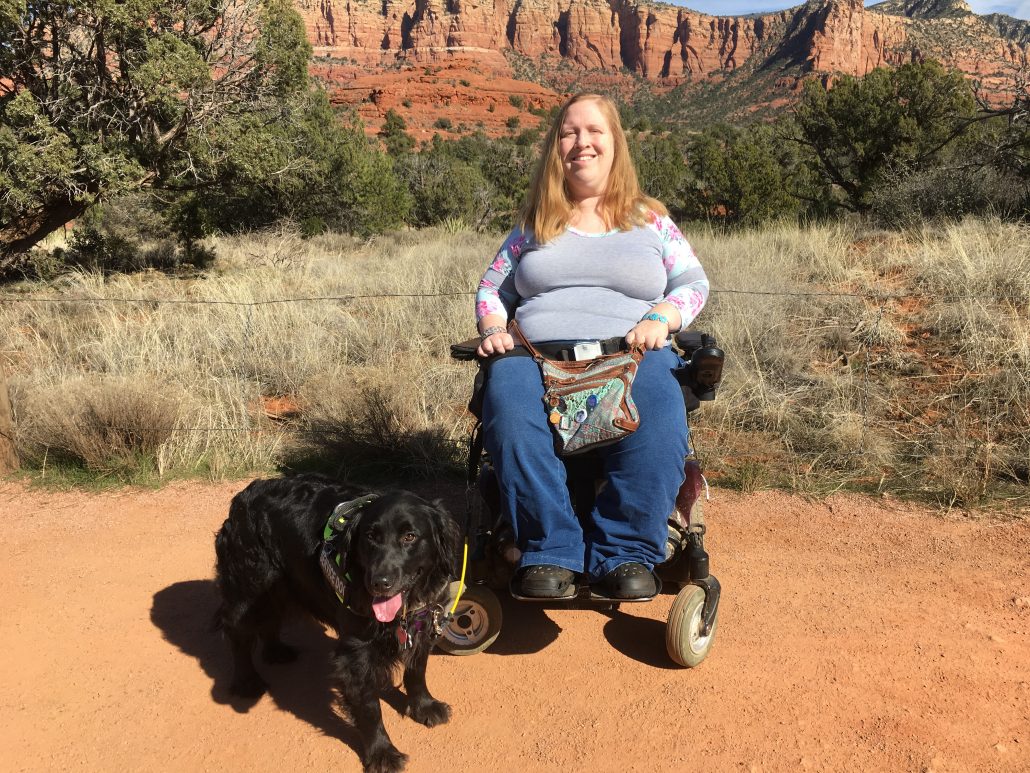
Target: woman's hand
(649,333)
(494,336)
(653,330)
(495,343)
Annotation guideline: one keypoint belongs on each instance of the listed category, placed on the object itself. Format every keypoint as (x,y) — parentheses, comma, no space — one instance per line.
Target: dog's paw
(386,760)
(430,713)
(277,652)
(249,687)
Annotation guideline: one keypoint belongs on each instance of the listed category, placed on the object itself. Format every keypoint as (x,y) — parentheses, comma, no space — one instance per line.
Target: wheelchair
(494,556)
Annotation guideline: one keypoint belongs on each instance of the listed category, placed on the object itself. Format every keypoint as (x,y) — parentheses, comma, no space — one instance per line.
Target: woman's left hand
(649,333)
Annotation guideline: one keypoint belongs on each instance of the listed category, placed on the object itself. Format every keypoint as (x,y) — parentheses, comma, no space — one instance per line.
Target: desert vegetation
(894,362)
(253,283)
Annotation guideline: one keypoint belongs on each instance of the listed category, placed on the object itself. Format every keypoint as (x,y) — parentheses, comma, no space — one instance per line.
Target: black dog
(397,555)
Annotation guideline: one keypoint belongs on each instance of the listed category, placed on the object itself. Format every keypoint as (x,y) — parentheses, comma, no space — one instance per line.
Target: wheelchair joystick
(706,368)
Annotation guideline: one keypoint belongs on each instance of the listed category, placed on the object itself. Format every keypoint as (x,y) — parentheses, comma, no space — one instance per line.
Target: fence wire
(874,297)
(863,393)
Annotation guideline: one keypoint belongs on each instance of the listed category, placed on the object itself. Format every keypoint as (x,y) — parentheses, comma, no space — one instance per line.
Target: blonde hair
(548,205)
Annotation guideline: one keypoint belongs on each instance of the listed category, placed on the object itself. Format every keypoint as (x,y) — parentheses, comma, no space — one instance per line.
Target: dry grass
(858,359)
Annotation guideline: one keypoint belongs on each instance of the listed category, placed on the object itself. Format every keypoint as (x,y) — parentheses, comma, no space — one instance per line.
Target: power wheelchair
(494,556)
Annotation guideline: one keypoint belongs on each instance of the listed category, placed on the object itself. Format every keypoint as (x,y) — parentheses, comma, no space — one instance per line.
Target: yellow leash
(461,582)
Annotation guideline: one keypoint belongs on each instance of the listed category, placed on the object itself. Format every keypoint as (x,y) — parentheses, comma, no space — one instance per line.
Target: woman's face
(586,148)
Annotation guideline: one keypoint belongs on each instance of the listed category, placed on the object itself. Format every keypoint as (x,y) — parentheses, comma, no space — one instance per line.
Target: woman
(592,258)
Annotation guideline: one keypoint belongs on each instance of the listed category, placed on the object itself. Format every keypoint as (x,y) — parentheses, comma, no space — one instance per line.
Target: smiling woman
(585,148)
(593,267)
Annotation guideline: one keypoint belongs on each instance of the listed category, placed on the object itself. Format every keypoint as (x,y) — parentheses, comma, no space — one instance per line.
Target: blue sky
(1018,8)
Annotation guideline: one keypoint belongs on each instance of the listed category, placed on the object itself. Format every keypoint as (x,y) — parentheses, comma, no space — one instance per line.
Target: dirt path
(851,637)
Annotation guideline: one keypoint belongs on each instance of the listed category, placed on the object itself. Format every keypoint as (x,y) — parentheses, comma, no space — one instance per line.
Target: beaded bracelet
(491,330)
(656,317)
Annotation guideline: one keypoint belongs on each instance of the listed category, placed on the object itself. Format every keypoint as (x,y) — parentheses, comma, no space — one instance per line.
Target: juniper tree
(202,99)
(862,128)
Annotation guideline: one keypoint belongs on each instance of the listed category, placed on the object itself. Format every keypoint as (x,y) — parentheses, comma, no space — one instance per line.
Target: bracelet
(656,317)
(491,330)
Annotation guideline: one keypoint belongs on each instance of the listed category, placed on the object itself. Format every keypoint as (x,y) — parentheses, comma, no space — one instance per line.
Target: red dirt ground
(853,635)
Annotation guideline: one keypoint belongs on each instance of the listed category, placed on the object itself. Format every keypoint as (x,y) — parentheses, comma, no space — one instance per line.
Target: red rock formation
(458,94)
(357,40)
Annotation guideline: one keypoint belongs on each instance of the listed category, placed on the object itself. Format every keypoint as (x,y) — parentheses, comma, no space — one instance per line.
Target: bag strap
(516,332)
(636,351)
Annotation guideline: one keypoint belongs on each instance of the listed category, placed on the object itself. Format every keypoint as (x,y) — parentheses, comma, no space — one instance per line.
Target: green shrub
(444,187)
(129,234)
(905,200)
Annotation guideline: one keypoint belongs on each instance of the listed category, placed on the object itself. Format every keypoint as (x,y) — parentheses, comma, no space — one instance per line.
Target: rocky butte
(453,59)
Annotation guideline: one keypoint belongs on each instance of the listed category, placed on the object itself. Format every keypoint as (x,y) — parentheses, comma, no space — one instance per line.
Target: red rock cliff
(654,40)
(358,40)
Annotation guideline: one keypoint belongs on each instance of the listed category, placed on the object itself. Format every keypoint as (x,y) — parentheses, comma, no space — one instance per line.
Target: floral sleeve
(687,287)
(496,293)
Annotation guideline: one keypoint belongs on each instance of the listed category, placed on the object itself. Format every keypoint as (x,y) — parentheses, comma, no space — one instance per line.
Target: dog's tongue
(385,609)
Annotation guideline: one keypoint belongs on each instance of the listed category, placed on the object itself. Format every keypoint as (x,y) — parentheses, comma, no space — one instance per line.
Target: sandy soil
(852,636)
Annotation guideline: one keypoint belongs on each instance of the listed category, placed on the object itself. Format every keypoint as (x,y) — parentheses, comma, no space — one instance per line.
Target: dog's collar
(414,621)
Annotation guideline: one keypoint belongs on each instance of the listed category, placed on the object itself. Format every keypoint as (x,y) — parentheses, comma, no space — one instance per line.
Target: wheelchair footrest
(583,593)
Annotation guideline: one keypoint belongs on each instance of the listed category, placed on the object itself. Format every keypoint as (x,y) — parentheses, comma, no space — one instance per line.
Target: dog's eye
(408,538)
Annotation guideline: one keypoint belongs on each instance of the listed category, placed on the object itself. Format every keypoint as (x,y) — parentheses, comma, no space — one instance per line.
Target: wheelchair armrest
(465,351)
(688,341)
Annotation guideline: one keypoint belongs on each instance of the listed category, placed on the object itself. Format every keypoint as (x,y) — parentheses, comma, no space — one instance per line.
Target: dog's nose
(382,586)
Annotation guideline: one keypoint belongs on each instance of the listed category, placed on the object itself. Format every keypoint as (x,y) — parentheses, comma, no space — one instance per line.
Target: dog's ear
(448,537)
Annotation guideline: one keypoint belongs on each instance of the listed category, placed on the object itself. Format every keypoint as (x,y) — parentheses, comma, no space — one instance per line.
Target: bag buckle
(587,351)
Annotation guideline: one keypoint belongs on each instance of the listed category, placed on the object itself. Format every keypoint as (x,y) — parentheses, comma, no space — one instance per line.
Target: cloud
(733,7)
(1018,8)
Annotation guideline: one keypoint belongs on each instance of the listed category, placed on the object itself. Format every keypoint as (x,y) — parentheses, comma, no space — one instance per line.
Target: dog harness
(330,559)
(409,622)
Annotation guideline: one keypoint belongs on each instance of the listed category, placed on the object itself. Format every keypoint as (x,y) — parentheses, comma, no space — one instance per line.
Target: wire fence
(881,297)
(703,432)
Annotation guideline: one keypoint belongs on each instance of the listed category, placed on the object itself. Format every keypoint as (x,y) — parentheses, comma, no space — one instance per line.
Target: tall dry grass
(890,361)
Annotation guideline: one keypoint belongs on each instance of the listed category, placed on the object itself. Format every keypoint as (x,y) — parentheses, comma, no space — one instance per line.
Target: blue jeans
(643,471)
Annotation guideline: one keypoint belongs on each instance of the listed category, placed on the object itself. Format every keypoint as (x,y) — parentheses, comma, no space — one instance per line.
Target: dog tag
(402,636)
(591,401)
(580,416)
(554,417)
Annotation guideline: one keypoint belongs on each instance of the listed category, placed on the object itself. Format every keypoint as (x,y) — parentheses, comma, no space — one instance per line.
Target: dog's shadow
(184,613)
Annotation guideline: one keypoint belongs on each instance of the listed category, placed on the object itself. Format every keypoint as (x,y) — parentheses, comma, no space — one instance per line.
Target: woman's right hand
(495,343)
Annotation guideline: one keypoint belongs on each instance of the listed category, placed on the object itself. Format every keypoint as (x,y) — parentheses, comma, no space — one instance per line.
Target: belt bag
(589,403)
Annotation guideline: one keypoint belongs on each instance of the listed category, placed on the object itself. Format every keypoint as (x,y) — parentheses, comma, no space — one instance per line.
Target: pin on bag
(589,402)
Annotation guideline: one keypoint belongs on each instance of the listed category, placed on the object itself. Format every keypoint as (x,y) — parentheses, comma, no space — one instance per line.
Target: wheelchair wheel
(476,623)
(683,638)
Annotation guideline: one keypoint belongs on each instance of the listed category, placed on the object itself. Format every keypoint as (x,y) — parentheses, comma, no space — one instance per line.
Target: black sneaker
(546,581)
(630,581)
